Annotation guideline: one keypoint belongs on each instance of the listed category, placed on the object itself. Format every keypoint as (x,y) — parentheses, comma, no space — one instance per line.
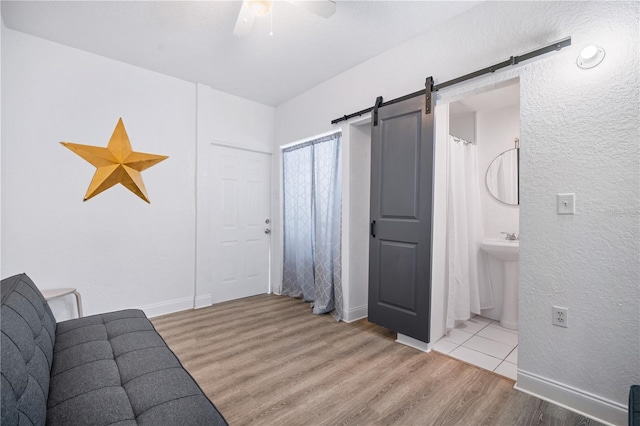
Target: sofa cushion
(115,368)
(27,342)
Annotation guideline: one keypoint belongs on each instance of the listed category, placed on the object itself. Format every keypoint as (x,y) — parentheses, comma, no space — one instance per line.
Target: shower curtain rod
(513,60)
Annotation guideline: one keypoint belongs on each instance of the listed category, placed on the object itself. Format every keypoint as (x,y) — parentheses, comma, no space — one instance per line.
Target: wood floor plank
(267,360)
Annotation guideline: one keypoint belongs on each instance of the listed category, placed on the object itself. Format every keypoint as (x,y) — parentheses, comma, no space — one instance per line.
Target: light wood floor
(267,360)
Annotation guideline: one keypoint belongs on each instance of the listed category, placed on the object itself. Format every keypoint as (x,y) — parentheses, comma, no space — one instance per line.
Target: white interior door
(241,226)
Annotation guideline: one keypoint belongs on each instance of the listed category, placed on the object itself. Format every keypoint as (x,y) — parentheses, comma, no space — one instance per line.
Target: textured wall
(116,249)
(581,131)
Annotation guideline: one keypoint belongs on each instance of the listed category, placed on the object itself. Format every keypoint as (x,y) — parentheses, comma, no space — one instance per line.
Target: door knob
(267,231)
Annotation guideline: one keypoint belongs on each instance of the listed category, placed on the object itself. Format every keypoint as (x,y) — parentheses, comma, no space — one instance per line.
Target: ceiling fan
(252,8)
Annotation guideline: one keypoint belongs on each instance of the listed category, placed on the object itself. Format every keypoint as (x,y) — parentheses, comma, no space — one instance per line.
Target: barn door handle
(373,229)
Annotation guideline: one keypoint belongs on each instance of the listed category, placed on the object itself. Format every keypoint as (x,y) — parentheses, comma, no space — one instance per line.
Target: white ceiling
(194,41)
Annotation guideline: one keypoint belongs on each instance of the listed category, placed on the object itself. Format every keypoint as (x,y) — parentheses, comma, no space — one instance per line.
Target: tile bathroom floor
(484,343)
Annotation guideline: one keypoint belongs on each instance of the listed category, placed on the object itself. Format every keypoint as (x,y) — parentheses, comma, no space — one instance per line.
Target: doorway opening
(477,243)
(494,109)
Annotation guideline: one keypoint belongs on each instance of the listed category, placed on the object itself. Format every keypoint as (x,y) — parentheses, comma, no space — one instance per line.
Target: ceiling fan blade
(324,8)
(244,22)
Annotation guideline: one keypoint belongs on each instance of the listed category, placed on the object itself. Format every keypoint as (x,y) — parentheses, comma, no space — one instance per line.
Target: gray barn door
(401,209)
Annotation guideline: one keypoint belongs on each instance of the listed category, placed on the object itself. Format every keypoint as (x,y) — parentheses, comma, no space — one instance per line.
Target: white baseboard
(414,343)
(355,314)
(168,307)
(577,400)
(203,301)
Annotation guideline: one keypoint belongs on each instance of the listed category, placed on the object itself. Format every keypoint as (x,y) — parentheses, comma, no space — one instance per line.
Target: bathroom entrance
(488,117)
(476,228)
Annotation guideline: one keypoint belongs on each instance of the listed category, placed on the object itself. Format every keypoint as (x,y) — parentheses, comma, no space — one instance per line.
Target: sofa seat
(118,361)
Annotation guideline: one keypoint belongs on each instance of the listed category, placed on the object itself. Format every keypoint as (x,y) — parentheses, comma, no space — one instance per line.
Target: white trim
(355,314)
(203,301)
(571,398)
(195,199)
(310,138)
(278,258)
(414,343)
(345,219)
(360,121)
(168,307)
(481,84)
(242,147)
(439,223)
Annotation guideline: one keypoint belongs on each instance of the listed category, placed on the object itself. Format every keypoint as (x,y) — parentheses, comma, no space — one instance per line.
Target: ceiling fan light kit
(252,8)
(260,7)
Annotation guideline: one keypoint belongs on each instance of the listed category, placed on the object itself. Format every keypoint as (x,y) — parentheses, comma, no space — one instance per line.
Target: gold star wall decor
(117,163)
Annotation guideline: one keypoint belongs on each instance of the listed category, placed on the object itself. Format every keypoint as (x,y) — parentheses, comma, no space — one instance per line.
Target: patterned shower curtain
(312,200)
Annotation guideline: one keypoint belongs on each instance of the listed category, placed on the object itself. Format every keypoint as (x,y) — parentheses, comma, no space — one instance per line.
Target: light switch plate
(567,203)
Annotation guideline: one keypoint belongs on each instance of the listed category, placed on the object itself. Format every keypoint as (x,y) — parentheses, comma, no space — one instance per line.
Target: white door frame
(438,285)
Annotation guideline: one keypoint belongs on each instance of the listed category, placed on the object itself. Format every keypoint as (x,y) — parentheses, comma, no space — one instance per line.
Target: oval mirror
(503,177)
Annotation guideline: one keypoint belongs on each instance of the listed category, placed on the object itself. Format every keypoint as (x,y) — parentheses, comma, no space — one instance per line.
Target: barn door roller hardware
(375,110)
(430,87)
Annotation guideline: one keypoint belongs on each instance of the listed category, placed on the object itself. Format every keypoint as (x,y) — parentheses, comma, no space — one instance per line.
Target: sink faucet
(511,237)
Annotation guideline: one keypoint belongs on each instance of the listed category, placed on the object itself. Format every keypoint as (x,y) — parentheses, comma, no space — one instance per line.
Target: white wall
(497,130)
(358,200)
(231,121)
(581,132)
(463,126)
(2,30)
(234,121)
(117,250)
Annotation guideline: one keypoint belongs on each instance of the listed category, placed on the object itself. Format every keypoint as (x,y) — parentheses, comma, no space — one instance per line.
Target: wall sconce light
(590,57)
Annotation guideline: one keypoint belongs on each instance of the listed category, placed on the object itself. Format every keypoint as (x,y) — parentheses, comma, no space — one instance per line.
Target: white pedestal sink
(508,252)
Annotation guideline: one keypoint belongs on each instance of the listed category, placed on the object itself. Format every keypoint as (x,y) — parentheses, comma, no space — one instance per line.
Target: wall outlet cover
(560,316)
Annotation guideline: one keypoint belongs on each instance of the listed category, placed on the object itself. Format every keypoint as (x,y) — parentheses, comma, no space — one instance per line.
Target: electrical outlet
(559,316)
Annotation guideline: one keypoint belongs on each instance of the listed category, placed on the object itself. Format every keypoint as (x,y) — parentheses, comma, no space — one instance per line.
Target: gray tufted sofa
(109,369)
